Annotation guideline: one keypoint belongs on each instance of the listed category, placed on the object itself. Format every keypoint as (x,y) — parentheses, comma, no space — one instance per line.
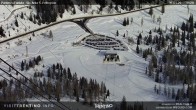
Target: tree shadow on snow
(146,13)
(136,24)
(119,21)
(157,9)
(185,19)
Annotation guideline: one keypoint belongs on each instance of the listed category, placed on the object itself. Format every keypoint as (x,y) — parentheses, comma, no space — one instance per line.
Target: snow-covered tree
(163,9)
(151,11)
(51,35)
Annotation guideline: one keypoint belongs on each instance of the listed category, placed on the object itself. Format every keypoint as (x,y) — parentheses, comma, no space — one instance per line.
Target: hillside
(155,50)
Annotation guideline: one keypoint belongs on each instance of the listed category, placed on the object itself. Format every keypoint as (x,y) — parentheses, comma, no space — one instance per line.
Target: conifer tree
(138,41)
(150,69)
(127,21)
(16,23)
(124,35)
(137,49)
(146,72)
(22,15)
(165,90)
(123,105)
(191,28)
(117,33)
(108,93)
(168,92)
(22,66)
(74,10)
(140,36)
(163,9)
(131,20)
(155,88)
(27,66)
(157,76)
(151,11)
(173,93)
(124,22)
(31,17)
(183,27)
(51,35)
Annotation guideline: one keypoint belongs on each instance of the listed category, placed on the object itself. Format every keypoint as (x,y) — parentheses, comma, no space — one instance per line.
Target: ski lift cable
(28,80)
(22,74)
(30,88)
(22,89)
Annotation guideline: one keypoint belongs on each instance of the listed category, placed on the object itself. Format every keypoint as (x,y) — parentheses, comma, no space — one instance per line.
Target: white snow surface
(7,9)
(174,16)
(128,80)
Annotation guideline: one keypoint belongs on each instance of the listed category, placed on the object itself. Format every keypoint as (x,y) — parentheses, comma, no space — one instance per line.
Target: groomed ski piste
(129,80)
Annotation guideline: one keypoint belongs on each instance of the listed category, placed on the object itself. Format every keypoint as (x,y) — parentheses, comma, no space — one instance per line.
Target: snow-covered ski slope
(12,13)
(128,80)
(173,17)
(9,14)
(7,9)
